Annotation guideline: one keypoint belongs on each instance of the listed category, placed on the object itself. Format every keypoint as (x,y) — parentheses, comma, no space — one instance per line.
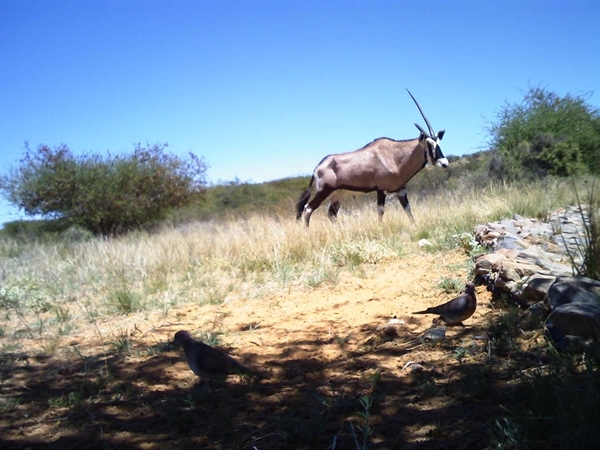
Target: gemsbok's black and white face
(435,157)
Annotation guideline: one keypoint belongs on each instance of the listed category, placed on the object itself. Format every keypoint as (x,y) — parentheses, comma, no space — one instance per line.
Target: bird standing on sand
(209,362)
(457,309)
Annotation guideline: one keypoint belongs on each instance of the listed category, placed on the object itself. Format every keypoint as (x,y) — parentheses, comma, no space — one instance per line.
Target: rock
(502,271)
(536,287)
(416,368)
(424,243)
(392,327)
(514,270)
(543,259)
(488,263)
(434,334)
(580,345)
(576,319)
(573,290)
(509,242)
(389,330)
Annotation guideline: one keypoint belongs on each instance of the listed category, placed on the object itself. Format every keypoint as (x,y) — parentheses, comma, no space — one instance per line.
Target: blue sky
(264,89)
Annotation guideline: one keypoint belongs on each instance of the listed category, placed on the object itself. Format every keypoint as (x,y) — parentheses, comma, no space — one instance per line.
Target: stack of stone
(534,261)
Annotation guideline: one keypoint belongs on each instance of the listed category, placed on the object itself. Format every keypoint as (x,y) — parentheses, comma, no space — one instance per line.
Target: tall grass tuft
(124,300)
(589,250)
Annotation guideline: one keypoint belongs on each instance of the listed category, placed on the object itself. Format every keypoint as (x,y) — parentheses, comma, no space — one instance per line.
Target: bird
(209,362)
(456,310)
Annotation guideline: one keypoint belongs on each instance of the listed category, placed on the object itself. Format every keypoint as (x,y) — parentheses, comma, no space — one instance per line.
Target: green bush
(466,172)
(105,195)
(545,135)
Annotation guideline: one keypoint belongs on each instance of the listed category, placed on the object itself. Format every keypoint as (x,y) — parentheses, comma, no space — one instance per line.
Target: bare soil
(321,349)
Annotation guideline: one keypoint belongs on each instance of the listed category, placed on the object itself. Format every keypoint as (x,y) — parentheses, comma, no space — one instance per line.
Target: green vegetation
(239,199)
(105,195)
(124,300)
(365,430)
(545,135)
(451,285)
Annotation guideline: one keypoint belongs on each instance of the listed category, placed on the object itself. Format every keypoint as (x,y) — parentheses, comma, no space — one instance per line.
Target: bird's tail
(422,312)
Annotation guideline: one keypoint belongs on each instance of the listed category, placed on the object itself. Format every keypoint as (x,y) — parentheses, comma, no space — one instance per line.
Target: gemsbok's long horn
(421,129)
(431,132)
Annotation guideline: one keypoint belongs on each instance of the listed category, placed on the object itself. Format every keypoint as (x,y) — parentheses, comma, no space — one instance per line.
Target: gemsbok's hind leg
(319,198)
(403,197)
(380,203)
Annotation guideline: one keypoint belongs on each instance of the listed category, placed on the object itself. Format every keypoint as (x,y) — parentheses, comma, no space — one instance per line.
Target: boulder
(575,305)
(576,319)
(536,287)
(567,290)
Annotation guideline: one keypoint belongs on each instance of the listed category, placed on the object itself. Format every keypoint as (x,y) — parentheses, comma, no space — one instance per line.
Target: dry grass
(46,285)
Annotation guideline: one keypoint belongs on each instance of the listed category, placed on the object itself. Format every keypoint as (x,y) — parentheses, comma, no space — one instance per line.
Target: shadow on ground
(306,402)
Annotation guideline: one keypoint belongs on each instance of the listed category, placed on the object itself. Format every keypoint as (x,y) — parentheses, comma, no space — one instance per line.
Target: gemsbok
(385,166)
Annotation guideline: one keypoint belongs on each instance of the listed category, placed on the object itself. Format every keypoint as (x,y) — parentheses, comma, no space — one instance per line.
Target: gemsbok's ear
(440,135)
